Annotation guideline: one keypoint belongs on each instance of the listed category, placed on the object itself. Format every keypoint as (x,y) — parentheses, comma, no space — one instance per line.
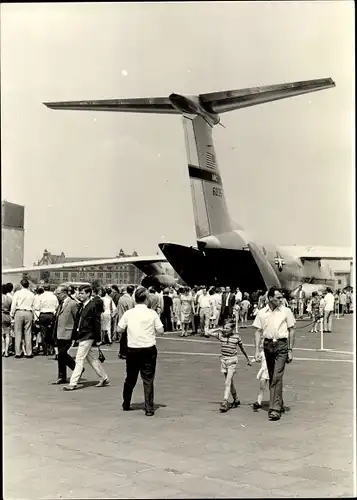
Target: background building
(120,274)
(12,238)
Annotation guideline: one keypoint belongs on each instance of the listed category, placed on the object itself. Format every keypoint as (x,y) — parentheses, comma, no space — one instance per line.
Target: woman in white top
(106,317)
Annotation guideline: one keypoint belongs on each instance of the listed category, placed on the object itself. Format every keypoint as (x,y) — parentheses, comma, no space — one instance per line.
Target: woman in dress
(315,311)
(106,317)
(176,309)
(187,308)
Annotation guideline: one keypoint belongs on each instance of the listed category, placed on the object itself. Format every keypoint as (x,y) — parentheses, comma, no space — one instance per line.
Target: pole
(321,334)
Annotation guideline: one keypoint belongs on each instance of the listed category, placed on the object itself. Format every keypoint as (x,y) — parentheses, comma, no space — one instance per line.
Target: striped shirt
(229,344)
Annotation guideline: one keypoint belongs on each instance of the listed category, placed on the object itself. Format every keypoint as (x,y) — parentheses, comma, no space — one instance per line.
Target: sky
(94,182)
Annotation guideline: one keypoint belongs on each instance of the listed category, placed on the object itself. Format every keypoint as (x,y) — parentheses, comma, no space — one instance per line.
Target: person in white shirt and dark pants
(46,307)
(275,333)
(21,311)
(141,324)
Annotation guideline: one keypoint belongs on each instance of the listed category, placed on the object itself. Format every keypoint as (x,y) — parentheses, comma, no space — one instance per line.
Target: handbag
(101,356)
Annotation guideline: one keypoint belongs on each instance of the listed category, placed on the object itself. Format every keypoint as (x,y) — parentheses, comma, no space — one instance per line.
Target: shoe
(284,409)
(121,356)
(126,407)
(224,406)
(256,405)
(56,357)
(30,356)
(60,381)
(69,387)
(236,403)
(19,356)
(103,383)
(149,413)
(274,415)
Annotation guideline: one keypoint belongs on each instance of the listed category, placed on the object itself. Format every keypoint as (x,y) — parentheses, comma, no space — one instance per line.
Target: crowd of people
(189,310)
(42,321)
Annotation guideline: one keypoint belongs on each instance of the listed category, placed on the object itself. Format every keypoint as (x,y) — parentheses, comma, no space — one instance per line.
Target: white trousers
(86,352)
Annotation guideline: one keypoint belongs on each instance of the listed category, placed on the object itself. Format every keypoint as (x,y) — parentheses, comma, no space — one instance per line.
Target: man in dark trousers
(63,328)
(275,333)
(125,303)
(228,301)
(87,331)
(142,325)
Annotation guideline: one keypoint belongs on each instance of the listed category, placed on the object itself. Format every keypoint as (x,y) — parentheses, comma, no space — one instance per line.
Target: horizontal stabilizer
(216,102)
(229,100)
(150,105)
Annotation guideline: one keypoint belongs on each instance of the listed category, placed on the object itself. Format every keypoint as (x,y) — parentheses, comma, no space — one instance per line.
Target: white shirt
(109,306)
(23,299)
(329,302)
(245,304)
(217,300)
(343,299)
(204,301)
(227,298)
(274,323)
(239,296)
(46,302)
(141,324)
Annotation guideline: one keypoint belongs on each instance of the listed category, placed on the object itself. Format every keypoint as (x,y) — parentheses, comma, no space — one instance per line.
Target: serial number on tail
(217,192)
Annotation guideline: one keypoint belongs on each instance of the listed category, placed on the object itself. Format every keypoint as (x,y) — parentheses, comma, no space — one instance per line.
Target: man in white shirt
(329,306)
(142,324)
(21,311)
(343,302)
(239,296)
(275,333)
(205,309)
(45,306)
(300,297)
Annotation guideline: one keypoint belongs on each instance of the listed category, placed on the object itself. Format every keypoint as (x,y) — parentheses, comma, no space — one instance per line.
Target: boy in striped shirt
(229,359)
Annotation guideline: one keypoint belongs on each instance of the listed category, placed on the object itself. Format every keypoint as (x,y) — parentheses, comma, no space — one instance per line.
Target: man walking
(87,331)
(63,328)
(21,312)
(205,311)
(46,307)
(141,324)
(275,330)
(125,303)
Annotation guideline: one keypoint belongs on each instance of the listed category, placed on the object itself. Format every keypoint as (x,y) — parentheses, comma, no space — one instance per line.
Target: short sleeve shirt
(141,324)
(274,323)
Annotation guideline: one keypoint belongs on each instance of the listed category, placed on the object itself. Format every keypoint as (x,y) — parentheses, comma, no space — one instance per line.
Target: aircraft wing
(229,100)
(321,253)
(137,105)
(87,263)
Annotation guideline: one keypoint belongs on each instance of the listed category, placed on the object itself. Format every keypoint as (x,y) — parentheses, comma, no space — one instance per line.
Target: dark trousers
(64,359)
(196,322)
(276,355)
(123,345)
(166,321)
(141,360)
(46,322)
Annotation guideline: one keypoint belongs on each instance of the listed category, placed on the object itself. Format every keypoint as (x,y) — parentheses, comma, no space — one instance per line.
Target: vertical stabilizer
(209,203)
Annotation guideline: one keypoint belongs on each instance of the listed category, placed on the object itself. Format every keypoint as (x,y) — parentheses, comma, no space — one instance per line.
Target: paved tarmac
(81,444)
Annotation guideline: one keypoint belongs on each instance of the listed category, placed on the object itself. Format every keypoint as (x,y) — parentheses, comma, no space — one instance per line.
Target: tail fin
(209,203)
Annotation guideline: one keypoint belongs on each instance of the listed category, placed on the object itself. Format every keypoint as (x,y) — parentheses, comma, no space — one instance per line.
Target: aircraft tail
(209,202)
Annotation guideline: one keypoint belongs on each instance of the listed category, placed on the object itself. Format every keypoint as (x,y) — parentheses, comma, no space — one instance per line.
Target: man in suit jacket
(125,303)
(87,331)
(63,327)
(228,301)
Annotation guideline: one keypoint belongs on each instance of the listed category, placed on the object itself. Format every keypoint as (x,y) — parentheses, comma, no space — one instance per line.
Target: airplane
(225,253)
